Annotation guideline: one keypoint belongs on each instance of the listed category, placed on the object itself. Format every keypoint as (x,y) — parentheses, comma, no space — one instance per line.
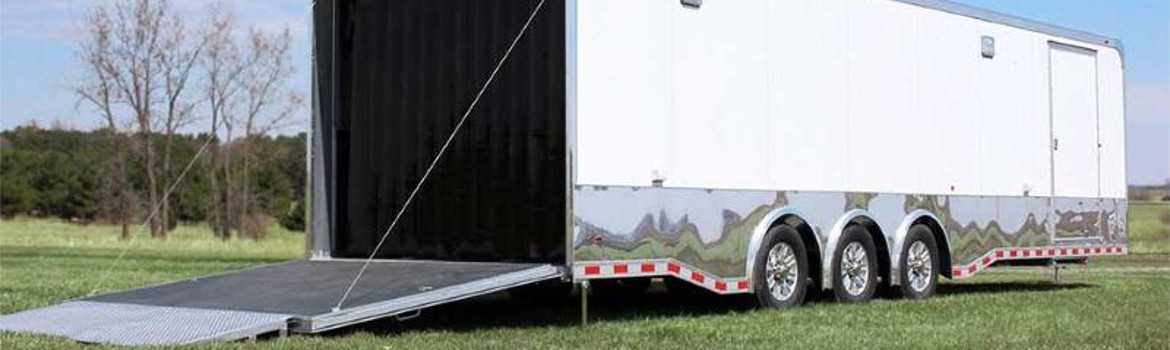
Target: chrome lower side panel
(1089,221)
(713,230)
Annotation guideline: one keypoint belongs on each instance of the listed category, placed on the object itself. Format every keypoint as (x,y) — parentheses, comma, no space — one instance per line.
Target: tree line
(185,109)
(61,173)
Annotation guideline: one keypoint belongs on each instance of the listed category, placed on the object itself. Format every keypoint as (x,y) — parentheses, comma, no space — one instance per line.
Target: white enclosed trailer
(697,130)
(743,146)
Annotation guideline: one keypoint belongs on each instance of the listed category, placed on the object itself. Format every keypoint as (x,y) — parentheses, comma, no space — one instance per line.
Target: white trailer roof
(1019,22)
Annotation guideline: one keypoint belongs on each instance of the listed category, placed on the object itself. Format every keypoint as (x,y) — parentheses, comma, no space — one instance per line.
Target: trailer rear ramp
(298,297)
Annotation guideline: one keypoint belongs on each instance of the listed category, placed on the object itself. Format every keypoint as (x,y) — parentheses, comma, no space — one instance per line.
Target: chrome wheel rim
(919,266)
(854,268)
(781,271)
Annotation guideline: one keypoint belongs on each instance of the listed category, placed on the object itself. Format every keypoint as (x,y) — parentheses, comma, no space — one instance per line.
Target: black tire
(620,287)
(777,236)
(855,234)
(918,233)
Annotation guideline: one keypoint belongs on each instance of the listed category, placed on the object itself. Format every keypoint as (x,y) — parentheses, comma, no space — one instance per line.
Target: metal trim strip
(416,302)
(1018,22)
(594,270)
(1016,254)
(571,54)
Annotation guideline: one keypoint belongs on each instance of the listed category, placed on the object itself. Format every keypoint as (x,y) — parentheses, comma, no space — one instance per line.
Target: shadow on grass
(498,311)
(1008,287)
(501,311)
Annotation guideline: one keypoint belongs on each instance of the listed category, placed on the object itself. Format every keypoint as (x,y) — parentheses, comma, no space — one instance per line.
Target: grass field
(1149,231)
(1116,303)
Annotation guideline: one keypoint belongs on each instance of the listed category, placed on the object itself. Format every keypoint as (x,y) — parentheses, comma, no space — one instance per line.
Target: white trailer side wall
(825,95)
(624,83)
(820,86)
(1112,123)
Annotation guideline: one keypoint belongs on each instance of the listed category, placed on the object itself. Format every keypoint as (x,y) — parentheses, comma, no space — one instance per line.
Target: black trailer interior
(395,76)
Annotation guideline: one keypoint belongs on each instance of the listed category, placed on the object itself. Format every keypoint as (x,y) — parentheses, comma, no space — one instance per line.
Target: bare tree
(246,94)
(98,89)
(222,64)
(140,60)
(180,54)
(134,69)
(143,65)
(267,105)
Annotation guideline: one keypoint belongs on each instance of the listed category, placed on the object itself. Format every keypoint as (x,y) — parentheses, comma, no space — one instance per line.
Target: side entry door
(1075,144)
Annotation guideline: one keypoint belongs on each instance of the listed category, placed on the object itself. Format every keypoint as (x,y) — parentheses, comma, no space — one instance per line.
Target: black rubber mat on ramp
(310,288)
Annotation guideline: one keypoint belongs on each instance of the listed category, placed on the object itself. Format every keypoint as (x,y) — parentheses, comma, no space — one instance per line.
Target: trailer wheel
(855,266)
(781,269)
(919,264)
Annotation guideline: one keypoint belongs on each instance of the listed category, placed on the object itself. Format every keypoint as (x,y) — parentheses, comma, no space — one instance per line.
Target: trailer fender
(831,243)
(761,229)
(899,240)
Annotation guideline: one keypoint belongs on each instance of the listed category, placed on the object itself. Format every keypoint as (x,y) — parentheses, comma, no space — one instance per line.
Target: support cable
(153,212)
(439,156)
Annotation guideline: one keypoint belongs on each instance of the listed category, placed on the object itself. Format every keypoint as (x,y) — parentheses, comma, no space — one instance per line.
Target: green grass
(1118,303)
(1148,230)
(24,232)
(43,262)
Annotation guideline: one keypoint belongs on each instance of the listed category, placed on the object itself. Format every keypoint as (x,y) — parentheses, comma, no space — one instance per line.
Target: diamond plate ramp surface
(127,324)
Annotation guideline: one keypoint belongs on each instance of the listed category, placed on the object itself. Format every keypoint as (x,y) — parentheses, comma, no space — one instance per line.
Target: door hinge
(1055,144)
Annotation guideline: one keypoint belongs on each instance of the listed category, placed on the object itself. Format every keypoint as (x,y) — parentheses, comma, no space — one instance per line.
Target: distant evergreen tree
(56,173)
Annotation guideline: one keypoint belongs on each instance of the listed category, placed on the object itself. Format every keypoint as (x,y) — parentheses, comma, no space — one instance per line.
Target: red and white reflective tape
(673,268)
(1008,254)
(658,268)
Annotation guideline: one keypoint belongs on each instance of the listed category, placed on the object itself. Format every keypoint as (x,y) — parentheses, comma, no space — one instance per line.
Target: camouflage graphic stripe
(712,229)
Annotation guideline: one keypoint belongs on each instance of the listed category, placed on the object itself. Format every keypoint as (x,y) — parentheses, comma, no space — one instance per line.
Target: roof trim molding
(1018,22)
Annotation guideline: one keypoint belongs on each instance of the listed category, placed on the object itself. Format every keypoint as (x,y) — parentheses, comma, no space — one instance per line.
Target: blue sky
(37,63)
